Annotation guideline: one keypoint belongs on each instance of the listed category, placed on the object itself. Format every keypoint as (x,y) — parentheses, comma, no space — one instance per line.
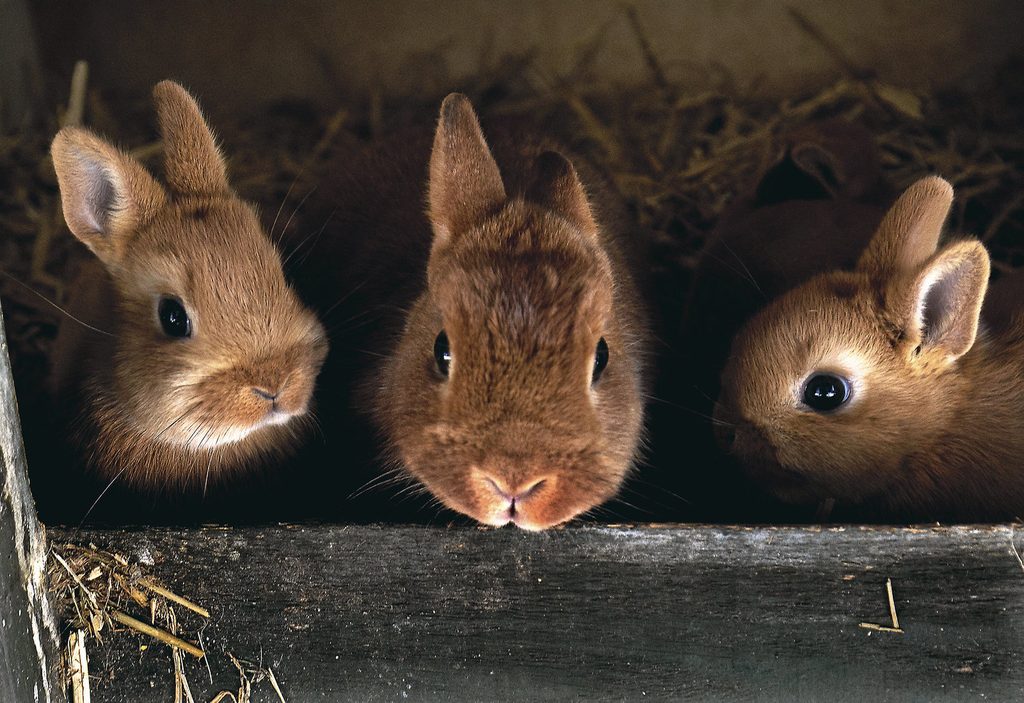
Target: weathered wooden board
(590,613)
(28,635)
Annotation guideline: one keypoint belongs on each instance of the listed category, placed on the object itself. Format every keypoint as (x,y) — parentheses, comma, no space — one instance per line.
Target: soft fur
(933,429)
(525,273)
(162,413)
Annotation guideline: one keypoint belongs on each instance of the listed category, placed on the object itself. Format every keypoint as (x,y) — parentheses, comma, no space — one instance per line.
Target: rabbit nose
(514,492)
(266,394)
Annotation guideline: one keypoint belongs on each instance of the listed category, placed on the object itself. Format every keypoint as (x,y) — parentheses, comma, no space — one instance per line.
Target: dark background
(689,108)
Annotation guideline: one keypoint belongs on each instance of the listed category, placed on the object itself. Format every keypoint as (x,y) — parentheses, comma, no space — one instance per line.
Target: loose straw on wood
(892,605)
(79,663)
(892,613)
(172,596)
(157,633)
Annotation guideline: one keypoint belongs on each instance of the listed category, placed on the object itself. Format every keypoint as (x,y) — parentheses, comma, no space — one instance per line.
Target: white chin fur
(498,520)
(237,434)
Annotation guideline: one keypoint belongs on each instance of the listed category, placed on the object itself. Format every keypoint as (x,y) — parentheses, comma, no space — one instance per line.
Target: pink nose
(266,394)
(514,493)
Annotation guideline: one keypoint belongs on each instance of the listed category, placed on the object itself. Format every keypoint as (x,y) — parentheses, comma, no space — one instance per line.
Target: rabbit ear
(807,171)
(192,162)
(909,233)
(465,184)
(946,297)
(106,195)
(556,186)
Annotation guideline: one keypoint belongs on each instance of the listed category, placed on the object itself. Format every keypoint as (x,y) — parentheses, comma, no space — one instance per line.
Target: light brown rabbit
(506,372)
(875,387)
(202,360)
(812,209)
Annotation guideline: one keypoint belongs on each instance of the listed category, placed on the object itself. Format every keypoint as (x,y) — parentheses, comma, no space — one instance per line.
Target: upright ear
(465,184)
(106,194)
(192,162)
(946,298)
(909,233)
(556,186)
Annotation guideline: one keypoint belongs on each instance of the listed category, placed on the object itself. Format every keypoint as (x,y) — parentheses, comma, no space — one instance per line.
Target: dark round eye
(825,392)
(442,354)
(600,359)
(173,318)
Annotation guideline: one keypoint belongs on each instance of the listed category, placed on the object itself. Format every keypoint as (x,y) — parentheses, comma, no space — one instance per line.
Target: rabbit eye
(825,392)
(600,359)
(442,353)
(173,318)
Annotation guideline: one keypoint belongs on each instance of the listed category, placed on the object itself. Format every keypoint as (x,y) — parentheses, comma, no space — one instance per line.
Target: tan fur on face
(524,287)
(161,412)
(933,426)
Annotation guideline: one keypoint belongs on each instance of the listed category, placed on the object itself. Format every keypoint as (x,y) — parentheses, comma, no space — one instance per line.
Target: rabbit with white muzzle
(198,362)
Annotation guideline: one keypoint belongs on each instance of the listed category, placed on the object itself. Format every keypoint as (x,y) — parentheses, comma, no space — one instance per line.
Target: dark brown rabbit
(503,363)
(813,208)
(875,388)
(200,360)
(1003,303)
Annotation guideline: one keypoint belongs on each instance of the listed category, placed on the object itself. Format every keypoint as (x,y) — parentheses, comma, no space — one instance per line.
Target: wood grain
(28,634)
(374,613)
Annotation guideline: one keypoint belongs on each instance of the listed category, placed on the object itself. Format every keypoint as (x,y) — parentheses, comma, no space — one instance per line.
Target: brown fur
(813,208)
(933,428)
(162,413)
(1003,309)
(525,273)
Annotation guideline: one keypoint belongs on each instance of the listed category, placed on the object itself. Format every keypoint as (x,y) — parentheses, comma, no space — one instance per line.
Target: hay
(92,588)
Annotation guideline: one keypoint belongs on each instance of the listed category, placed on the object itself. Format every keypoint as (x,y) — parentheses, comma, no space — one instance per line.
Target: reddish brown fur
(524,281)
(934,426)
(160,412)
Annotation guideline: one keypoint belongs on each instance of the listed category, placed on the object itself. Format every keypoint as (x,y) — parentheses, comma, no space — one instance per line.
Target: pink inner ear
(100,197)
(950,293)
(937,305)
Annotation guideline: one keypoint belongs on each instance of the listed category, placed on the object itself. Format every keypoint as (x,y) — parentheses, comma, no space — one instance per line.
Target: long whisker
(102,493)
(296,211)
(345,297)
(346,326)
(127,465)
(206,479)
(188,410)
(313,419)
(705,416)
(413,490)
(281,208)
(389,477)
(54,305)
(746,271)
(316,240)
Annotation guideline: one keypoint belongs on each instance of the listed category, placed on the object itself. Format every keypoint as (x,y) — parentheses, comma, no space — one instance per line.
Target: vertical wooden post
(28,631)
